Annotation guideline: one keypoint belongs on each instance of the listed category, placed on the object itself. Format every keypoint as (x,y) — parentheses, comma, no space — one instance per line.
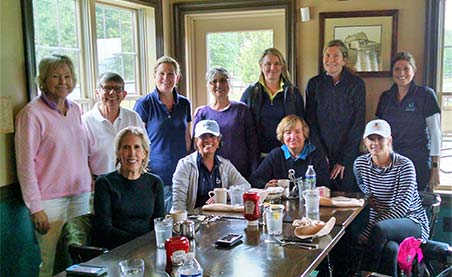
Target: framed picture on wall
(371,38)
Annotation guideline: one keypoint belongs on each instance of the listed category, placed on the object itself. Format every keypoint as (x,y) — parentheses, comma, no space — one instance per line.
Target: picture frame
(371,37)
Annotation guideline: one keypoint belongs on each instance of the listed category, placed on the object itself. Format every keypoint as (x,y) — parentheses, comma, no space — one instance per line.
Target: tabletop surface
(258,255)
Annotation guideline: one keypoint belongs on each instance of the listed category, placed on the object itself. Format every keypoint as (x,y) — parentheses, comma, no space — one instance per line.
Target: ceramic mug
(178,215)
(220,195)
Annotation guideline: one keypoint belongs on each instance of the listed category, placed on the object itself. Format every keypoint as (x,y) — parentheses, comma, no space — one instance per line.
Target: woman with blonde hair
(167,116)
(128,199)
(52,156)
(296,153)
(389,182)
(271,98)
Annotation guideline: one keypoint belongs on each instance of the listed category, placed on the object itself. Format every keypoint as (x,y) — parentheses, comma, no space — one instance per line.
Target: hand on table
(40,222)
(211,200)
(338,170)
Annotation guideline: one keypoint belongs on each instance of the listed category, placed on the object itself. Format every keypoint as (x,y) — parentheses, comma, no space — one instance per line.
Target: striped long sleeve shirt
(394,189)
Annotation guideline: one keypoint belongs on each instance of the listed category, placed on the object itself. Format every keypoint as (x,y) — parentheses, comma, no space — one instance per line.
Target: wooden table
(294,209)
(258,255)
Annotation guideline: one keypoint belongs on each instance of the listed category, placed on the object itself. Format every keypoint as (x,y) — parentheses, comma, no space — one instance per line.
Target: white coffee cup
(220,195)
(178,215)
(284,183)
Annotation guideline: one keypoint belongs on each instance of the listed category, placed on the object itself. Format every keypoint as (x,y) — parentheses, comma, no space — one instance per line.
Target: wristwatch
(434,164)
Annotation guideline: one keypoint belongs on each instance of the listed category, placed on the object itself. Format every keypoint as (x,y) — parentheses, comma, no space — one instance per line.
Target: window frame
(433,60)
(29,45)
(180,10)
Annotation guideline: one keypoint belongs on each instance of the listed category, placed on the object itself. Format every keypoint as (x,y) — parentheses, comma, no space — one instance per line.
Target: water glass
(312,200)
(131,268)
(303,185)
(274,219)
(236,195)
(163,228)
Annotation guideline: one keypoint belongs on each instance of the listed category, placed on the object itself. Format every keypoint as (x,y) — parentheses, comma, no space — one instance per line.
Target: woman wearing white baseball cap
(203,170)
(389,181)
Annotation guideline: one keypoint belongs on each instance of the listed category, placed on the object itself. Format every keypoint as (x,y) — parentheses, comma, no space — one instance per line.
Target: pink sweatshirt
(51,153)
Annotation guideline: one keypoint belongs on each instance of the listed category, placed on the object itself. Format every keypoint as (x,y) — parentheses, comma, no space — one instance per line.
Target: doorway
(203,32)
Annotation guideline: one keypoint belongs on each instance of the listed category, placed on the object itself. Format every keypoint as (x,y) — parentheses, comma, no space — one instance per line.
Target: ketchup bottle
(172,245)
(251,207)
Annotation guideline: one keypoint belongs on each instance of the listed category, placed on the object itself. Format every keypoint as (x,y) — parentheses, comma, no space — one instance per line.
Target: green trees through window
(239,53)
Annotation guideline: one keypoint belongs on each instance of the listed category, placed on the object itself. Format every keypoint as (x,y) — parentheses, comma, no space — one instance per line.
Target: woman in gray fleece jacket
(203,170)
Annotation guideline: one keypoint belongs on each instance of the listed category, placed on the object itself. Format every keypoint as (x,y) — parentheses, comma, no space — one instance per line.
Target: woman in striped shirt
(389,181)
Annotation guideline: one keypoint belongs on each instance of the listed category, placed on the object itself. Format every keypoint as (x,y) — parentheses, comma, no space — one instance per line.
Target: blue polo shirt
(166,131)
(207,180)
(407,119)
(308,148)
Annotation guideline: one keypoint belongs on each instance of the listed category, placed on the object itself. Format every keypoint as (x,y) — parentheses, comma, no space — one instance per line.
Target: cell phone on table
(86,270)
(229,240)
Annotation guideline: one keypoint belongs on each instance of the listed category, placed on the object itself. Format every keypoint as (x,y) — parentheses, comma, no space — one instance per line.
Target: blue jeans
(168,197)
(381,240)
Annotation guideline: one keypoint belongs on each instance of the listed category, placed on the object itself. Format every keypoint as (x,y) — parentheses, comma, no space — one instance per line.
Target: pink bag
(409,249)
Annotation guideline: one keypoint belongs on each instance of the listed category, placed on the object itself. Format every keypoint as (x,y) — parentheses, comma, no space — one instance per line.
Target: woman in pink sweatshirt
(52,156)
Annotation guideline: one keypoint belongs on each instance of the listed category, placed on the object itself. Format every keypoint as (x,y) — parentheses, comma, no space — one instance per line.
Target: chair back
(431,203)
(74,244)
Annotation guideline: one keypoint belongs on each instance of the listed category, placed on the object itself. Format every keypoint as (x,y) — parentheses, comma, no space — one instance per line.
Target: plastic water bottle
(190,268)
(310,177)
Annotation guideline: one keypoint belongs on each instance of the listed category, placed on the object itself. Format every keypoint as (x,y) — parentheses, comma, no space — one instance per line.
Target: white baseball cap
(377,127)
(207,127)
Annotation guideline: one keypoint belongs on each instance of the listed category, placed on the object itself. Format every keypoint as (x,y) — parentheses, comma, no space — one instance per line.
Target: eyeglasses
(220,81)
(115,89)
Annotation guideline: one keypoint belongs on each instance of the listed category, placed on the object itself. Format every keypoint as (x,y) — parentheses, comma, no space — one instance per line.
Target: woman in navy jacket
(335,112)
(272,98)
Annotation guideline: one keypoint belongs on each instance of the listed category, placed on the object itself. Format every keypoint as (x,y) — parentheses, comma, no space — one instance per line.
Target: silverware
(303,245)
(214,218)
(295,239)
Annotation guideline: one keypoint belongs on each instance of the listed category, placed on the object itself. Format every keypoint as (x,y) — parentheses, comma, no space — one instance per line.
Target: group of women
(234,143)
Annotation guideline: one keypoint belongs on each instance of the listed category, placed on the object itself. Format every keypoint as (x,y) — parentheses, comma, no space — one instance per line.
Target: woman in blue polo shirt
(414,115)
(167,116)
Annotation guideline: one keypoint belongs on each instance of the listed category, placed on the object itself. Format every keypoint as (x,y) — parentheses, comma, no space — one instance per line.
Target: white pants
(58,211)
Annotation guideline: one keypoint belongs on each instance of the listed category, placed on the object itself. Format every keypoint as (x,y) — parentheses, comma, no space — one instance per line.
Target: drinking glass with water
(131,268)
(274,219)
(163,228)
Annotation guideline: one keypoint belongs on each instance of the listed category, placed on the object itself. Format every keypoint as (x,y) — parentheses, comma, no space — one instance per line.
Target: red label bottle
(172,245)
(251,207)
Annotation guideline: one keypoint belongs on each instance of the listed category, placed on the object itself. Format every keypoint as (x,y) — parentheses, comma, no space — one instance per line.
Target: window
(55,33)
(225,49)
(445,92)
(116,43)
(446,85)
(99,36)
(191,20)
